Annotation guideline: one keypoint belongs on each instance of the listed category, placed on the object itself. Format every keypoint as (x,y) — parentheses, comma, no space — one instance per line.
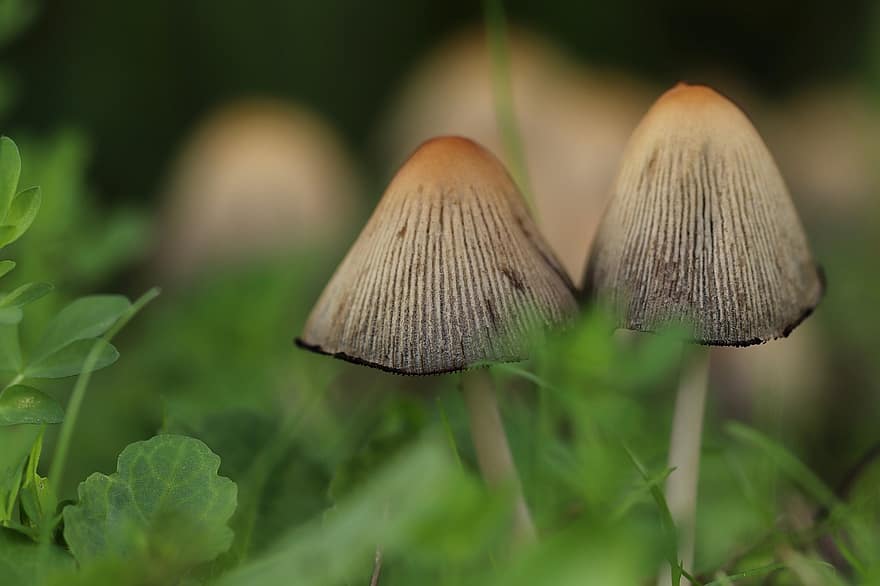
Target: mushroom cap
(257,178)
(701,231)
(825,140)
(574,121)
(449,272)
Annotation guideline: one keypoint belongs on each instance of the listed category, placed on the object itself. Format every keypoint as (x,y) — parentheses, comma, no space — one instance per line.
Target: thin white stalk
(493,452)
(684,457)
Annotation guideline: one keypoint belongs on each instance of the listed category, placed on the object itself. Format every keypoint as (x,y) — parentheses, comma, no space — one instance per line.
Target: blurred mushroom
(573,122)
(782,381)
(827,141)
(449,273)
(257,178)
(701,234)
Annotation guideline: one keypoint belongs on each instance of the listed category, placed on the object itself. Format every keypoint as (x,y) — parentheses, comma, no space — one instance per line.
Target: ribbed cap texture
(450,271)
(701,231)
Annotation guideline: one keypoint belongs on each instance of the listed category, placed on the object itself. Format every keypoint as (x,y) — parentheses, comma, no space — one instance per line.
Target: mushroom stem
(684,456)
(493,452)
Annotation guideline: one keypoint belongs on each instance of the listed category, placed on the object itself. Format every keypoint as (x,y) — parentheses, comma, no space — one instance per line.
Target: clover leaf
(10,170)
(17,212)
(20,404)
(69,337)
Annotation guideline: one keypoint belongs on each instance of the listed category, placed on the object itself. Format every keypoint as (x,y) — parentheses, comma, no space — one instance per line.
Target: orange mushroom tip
(452,161)
(449,273)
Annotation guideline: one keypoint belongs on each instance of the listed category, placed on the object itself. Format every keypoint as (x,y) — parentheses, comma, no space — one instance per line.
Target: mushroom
(701,234)
(449,273)
(258,178)
(573,120)
(827,137)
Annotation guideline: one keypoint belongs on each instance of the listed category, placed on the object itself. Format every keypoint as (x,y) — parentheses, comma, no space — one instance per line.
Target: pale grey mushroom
(450,272)
(701,230)
(700,234)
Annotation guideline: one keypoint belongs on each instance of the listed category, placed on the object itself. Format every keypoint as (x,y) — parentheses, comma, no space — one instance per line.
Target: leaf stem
(56,470)
(17,379)
(450,436)
(377,567)
(260,471)
(502,90)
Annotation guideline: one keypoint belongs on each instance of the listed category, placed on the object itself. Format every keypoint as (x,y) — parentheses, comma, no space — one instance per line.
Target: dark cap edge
(317,349)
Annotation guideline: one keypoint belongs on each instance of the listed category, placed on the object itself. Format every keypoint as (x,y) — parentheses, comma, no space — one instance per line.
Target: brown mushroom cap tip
(451,161)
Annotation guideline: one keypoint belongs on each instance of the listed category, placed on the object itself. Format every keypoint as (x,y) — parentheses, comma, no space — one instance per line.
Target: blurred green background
(136,76)
(127,115)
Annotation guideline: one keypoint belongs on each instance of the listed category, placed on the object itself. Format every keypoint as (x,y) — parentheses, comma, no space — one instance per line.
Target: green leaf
(787,462)
(16,442)
(20,404)
(5,267)
(37,499)
(15,15)
(70,360)
(576,555)
(419,505)
(864,494)
(9,316)
(666,521)
(38,503)
(84,319)
(25,294)
(10,350)
(10,170)
(267,465)
(165,498)
(21,215)
(764,570)
(25,563)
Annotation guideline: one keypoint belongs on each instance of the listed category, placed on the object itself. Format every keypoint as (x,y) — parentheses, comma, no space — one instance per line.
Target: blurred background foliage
(229,151)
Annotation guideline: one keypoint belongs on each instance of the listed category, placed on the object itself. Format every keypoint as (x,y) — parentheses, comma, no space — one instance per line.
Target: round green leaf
(165,499)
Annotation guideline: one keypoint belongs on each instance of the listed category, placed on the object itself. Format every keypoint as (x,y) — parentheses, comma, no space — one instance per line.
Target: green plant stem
(56,470)
(502,91)
(17,379)
(260,471)
(450,436)
(493,452)
(377,567)
(684,455)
